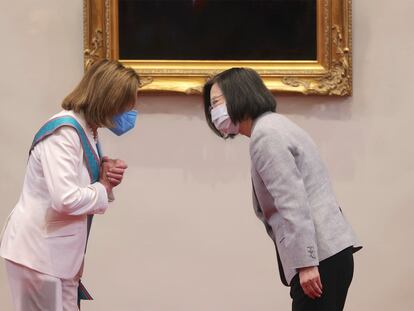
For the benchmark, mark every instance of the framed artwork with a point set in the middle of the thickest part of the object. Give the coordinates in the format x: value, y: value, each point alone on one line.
x: 300, y: 46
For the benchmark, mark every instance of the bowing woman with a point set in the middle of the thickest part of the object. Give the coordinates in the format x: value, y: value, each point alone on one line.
x: 292, y: 194
x: 67, y: 181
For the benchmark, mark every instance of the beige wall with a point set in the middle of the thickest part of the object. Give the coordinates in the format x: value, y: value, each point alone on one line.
x: 182, y: 234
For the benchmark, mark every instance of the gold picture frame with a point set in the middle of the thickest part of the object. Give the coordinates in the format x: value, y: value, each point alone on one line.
x: 329, y: 74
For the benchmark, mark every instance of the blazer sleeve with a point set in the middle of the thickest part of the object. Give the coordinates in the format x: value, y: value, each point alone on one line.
x: 60, y: 155
x: 275, y: 163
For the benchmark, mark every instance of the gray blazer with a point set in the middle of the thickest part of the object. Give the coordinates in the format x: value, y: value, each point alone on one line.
x: 293, y: 195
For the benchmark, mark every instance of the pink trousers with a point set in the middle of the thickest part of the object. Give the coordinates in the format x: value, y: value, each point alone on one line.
x: 35, y: 291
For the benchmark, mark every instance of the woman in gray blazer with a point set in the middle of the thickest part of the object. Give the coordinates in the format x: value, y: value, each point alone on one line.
x: 292, y: 193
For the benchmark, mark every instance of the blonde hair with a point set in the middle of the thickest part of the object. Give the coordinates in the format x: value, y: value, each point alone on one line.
x: 106, y: 89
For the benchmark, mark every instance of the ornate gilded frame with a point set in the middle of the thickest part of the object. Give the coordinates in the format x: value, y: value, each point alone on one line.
x: 330, y: 74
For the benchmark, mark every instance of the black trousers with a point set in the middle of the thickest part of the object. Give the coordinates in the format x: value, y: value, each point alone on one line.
x: 336, y: 274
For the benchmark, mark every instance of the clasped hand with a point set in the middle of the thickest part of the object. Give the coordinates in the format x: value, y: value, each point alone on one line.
x: 111, y: 172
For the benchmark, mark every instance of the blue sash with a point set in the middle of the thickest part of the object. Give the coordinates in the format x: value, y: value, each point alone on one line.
x: 92, y: 162
x: 91, y: 159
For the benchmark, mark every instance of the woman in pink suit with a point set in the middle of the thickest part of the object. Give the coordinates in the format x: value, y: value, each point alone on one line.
x: 66, y: 183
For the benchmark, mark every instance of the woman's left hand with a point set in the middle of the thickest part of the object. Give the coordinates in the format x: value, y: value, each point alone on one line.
x: 114, y: 171
x: 310, y: 281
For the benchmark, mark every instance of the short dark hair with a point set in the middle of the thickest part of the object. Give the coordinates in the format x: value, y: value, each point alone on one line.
x: 245, y: 93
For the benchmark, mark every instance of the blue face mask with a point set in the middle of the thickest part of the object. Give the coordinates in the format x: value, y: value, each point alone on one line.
x: 124, y: 122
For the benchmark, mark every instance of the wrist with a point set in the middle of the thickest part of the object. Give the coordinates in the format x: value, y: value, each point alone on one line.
x: 107, y: 186
x: 306, y: 268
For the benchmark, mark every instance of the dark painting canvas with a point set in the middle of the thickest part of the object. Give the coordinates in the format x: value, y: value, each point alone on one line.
x: 217, y: 30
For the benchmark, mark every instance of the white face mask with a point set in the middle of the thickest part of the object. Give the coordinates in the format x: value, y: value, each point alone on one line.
x: 222, y: 121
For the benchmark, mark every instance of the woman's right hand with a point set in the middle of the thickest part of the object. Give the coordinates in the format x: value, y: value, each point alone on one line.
x: 103, y: 177
x: 112, y: 172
